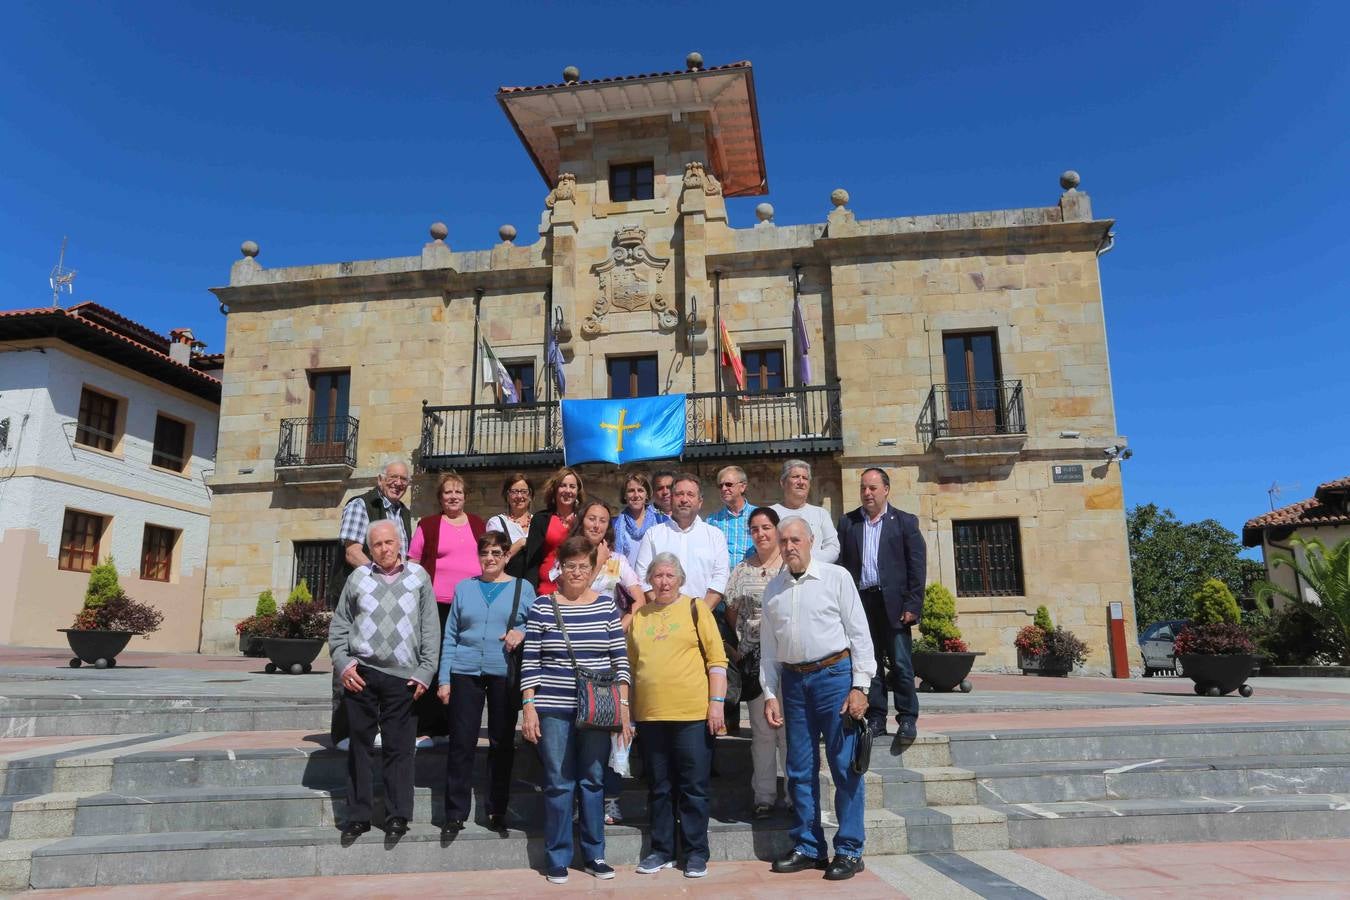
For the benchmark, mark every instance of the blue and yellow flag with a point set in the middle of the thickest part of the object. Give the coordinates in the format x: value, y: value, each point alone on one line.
x: 623, y: 431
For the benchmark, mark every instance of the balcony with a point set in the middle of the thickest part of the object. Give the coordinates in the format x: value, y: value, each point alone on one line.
x: 975, y: 423
x: 791, y: 421
x: 316, y: 451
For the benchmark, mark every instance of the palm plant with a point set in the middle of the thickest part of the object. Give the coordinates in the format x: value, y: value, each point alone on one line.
x: 1327, y: 573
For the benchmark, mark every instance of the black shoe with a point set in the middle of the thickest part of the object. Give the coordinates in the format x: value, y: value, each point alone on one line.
x: 844, y: 867
x: 877, y: 727
x: 354, y: 830
x: 397, y: 826
x: 497, y: 823
x: 798, y: 862
x: 908, y: 730
x: 452, y: 827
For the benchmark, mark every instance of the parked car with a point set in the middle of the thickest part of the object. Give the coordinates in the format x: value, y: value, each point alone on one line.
x: 1156, y: 645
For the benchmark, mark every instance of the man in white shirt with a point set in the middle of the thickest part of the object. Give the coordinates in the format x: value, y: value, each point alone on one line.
x: 701, y: 548
x: 796, y: 482
x: 816, y: 664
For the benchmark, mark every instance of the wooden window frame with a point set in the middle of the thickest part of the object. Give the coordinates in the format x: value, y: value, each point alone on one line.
x: 337, y: 436
x: 998, y: 577
x: 534, y: 383
x: 632, y: 375
x: 762, y: 373
x: 162, y: 542
x: 91, y: 436
x: 634, y: 170
x: 189, y: 433
x: 67, y: 552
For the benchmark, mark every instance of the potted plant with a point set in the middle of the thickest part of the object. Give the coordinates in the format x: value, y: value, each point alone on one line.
x: 1047, y: 649
x: 261, y: 624
x: 299, y: 632
x: 1214, y: 650
x: 108, y: 620
x: 941, y: 659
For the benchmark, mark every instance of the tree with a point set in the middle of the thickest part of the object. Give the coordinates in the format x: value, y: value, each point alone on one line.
x: 1171, y: 560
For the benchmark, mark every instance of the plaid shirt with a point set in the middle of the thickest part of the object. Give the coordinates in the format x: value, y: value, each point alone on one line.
x: 737, y: 530
x: 356, y: 524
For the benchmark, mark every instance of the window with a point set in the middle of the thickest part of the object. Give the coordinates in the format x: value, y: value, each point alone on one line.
x: 171, y: 444
x: 631, y: 376
x: 988, y: 558
x: 631, y: 181
x: 157, y: 552
x: 98, y: 420
x: 763, y: 369
x: 317, y: 563
x: 522, y: 376
x: 330, y: 394
x: 973, y: 394
x: 80, y: 536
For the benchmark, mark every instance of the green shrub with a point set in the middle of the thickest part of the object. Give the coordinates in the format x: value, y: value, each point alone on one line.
x: 1214, y: 603
x: 1042, y: 620
x: 1294, y: 636
x: 103, y: 585
x: 300, y: 594
x: 939, y: 615
x: 267, y: 604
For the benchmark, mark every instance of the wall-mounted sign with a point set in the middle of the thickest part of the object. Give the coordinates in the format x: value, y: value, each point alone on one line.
x: 1117, y: 609
x: 1068, y: 474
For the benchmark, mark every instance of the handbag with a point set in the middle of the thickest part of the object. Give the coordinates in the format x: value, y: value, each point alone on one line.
x: 597, y: 692
x: 515, y: 657
x: 862, y: 743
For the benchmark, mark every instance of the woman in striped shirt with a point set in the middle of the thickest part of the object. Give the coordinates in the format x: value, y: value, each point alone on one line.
x: 572, y: 757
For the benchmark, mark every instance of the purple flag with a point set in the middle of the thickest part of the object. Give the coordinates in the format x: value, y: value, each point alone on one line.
x: 555, y: 361
x: 803, y: 344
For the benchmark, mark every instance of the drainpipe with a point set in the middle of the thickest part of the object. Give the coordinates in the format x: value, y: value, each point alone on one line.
x: 1108, y: 243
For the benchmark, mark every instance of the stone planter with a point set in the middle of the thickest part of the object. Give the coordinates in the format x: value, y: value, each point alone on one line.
x: 251, y: 645
x: 1215, y: 676
x: 1050, y: 666
x: 97, y: 648
x: 292, y: 655
x: 944, y: 671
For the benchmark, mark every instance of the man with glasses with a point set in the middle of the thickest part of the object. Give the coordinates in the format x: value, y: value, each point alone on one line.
x: 733, y: 519
x: 384, y: 501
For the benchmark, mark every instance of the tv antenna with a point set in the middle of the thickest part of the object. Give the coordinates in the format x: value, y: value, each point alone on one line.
x: 62, y: 279
x: 1276, y: 489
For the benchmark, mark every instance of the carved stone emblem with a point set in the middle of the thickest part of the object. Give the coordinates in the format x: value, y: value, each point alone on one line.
x: 630, y: 279
x: 566, y: 190
x: 696, y: 176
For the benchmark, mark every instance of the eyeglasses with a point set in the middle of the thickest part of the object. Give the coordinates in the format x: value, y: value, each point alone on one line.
x: 395, y: 479
x: 490, y: 554
x: 576, y: 568
x: 525, y: 492
x: 729, y: 484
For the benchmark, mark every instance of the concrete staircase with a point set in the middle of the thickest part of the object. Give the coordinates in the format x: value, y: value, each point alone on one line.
x: 140, y: 801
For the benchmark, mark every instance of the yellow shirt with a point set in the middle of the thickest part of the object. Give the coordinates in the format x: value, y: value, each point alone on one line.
x: 670, y: 678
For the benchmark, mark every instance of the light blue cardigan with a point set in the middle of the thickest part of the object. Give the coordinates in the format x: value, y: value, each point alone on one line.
x: 471, y: 645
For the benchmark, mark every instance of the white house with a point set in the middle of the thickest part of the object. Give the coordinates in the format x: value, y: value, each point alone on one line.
x: 107, y: 433
x: 1324, y: 516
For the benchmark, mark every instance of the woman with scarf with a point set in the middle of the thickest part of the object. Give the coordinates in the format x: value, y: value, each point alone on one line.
x: 637, y: 516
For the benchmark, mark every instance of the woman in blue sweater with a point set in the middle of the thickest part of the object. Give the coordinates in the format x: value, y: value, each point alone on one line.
x: 486, y: 623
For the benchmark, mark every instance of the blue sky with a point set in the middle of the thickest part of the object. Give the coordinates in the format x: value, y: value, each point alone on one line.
x: 160, y: 135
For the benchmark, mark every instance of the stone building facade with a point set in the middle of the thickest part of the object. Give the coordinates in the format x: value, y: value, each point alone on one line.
x: 965, y: 353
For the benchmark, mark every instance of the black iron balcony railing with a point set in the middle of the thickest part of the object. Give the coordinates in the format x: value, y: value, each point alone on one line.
x: 972, y: 409
x: 780, y: 422
x: 317, y: 442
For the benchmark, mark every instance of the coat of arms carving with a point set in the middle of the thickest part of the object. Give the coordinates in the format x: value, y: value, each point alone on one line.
x: 631, y: 279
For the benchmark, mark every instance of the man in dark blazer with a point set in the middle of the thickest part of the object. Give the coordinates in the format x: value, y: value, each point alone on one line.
x: 884, y: 551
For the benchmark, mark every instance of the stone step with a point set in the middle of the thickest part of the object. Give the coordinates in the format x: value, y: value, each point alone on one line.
x: 1161, y: 820
x: 1127, y: 779
x: 81, y: 720
x: 971, y: 750
x: 89, y: 861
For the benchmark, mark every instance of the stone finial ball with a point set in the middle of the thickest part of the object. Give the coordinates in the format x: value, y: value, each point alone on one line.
x: 694, y: 61
x: 249, y: 248
x: 571, y: 74
x: 507, y: 233
x: 764, y: 212
x: 1069, y: 180
x: 439, y: 231
x: 839, y: 197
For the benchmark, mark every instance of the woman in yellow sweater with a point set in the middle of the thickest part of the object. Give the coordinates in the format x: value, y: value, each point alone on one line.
x: 679, y: 672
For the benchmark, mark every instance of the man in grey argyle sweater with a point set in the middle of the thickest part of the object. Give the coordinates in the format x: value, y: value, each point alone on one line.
x: 385, y: 642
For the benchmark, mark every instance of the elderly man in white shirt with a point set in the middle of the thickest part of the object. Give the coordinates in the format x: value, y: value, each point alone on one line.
x: 701, y: 548
x: 796, y: 482
x: 816, y: 664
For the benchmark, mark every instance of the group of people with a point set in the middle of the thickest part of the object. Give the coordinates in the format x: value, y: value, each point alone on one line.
x: 809, y: 619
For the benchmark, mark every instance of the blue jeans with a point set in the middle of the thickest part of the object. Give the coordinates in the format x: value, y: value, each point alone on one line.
x: 679, y: 770
x: 895, y: 662
x: 811, y: 705
x: 574, y: 762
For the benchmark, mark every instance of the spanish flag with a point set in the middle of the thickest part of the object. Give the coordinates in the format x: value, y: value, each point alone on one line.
x: 731, y: 355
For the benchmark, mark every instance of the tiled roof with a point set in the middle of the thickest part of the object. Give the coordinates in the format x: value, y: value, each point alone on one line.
x: 1327, y: 507
x: 742, y: 64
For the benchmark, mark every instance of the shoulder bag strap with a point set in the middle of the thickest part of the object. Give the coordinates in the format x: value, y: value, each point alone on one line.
x: 515, y: 607
x: 557, y: 617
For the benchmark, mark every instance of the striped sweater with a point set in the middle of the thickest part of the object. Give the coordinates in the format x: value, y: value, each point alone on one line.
x: 597, y: 640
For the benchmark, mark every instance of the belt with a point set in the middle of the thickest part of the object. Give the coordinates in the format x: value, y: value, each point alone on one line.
x: 807, y: 668
x: 874, y: 589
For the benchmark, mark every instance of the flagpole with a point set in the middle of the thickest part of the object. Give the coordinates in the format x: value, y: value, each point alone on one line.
x: 717, y: 353
x: 474, y: 374
x: 797, y: 345
x: 547, y: 368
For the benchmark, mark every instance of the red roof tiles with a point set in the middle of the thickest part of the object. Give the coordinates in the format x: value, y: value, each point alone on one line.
x: 742, y: 64
x: 1328, y: 506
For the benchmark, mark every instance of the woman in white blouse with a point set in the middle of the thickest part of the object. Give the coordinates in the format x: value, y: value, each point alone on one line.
x: 515, y: 522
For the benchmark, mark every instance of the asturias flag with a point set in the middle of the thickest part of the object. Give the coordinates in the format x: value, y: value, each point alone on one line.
x: 623, y: 431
